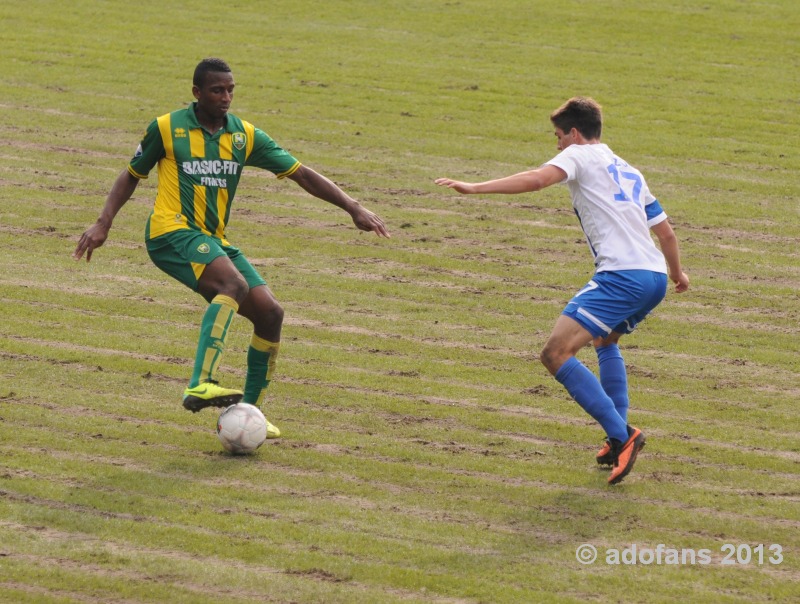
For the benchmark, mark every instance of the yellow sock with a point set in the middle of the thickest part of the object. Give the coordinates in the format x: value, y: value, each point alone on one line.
x: 211, y: 343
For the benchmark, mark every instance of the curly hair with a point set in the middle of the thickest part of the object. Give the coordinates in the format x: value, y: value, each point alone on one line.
x: 208, y: 65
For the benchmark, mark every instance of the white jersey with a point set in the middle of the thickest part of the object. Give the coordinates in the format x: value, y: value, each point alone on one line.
x: 614, y: 206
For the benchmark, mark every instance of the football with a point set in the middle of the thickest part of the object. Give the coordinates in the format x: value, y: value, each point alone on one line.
x: 241, y: 428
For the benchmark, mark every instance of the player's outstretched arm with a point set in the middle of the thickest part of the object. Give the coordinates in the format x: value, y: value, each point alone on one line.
x: 96, y: 235
x: 523, y: 182
x: 323, y: 188
x: 669, y: 247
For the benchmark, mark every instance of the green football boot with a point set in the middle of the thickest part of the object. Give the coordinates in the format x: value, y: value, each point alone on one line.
x: 210, y: 394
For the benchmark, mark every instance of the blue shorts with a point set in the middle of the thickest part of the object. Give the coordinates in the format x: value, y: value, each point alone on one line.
x: 616, y: 301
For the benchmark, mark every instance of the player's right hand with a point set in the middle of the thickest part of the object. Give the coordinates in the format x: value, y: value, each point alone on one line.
x: 681, y: 282
x: 92, y: 238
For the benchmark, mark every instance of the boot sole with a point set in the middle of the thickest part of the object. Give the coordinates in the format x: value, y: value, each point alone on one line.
x: 195, y: 404
x: 608, y: 458
x: 617, y: 479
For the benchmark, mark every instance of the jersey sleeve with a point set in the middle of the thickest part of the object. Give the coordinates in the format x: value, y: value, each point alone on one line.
x: 655, y: 213
x: 149, y: 151
x: 266, y: 154
x: 567, y: 161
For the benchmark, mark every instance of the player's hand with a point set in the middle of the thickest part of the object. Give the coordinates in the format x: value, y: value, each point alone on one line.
x: 92, y: 238
x: 466, y: 188
x: 681, y: 282
x: 369, y: 221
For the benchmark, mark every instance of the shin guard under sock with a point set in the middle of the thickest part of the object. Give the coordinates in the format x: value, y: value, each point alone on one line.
x: 614, y: 377
x: 211, y: 343
x: 584, y: 387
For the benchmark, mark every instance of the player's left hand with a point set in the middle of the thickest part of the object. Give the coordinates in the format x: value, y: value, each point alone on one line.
x: 466, y: 188
x: 369, y: 221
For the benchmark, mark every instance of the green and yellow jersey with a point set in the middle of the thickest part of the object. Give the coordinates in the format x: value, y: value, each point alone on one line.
x: 198, y: 172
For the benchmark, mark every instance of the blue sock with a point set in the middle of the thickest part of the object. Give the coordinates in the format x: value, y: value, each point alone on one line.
x: 614, y: 378
x: 584, y: 387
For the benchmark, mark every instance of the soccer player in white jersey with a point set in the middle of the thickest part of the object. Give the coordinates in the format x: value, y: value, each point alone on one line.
x: 617, y: 212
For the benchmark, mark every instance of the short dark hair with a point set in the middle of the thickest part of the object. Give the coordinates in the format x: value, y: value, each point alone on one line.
x: 207, y: 65
x: 582, y: 113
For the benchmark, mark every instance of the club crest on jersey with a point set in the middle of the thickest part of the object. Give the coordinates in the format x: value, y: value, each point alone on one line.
x: 203, y: 248
x: 239, y: 140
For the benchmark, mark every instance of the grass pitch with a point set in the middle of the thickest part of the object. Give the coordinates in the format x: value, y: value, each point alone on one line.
x: 427, y: 456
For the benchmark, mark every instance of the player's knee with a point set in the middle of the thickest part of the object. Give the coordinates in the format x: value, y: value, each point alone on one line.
x: 268, y: 321
x: 239, y: 288
x: 275, y: 314
x: 553, y: 357
x: 234, y: 286
x: 547, y: 357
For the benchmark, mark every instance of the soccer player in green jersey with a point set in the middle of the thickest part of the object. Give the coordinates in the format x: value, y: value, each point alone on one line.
x: 200, y: 153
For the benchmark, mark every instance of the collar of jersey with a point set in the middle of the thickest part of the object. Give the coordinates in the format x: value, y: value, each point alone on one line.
x: 192, y: 122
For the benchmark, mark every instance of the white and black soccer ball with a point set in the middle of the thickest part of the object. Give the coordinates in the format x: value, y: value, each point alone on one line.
x: 241, y: 428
